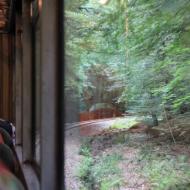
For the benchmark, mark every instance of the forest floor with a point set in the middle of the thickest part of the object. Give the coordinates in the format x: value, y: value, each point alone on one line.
x: 112, y: 158
x: 72, y: 158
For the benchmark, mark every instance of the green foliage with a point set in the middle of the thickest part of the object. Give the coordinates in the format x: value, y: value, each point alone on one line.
x: 85, y: 148
x: 84, y: 172
x: 94, y: 36
x: 102, y: 172
x: 85, y: 151
x: 124, y: 122
x: 106, y: 167
x: 158, y: 49
x: 107, y: 184
x: 132, y: 53
x: 165, y: 172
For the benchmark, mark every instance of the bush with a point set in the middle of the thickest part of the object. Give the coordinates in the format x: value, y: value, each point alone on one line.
x: 84, y: 171
x: 166, y: 172
x: 102, y: 173
x: 85, y: 148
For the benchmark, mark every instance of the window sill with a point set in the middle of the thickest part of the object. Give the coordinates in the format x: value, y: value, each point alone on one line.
x: 29, y: 173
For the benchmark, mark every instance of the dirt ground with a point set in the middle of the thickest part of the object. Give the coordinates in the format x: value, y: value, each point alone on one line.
x: 73, y: 139
x: 107, y: 143
x: 72, y: 158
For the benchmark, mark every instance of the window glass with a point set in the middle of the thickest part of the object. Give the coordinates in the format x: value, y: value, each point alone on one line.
x: 127, y: 67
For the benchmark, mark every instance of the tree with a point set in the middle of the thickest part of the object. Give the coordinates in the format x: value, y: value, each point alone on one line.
x: 141, y: 48
x: 157, y: 55
x: 93, y: 42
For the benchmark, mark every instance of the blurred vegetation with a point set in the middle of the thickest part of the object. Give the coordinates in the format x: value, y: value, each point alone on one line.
x: 100, y: 172
x: 132, y: 54
x: 125, y: 123
x: 165, y: 172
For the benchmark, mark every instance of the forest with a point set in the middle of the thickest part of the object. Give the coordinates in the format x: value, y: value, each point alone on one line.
x: 135, y: 56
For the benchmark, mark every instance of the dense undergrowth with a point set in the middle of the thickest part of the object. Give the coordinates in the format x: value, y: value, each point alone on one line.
x: 165, y: 171
x: 165, y: 165
x: 100, y: 172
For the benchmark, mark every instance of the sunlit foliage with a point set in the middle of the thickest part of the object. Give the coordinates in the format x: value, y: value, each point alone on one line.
x: 141, y: 47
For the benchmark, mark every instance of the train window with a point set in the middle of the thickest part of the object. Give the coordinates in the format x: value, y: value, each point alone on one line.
x: 127, y: 98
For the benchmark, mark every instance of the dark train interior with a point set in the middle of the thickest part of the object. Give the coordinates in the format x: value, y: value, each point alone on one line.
x: 31, y: 75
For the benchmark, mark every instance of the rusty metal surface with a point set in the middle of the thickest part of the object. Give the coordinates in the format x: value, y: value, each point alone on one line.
x: 6, y: 7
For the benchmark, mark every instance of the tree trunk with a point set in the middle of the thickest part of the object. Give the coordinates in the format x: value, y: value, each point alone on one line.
x: 155, y: 119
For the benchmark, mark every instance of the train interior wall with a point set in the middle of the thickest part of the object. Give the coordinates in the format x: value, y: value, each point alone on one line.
x: 7, y: 101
